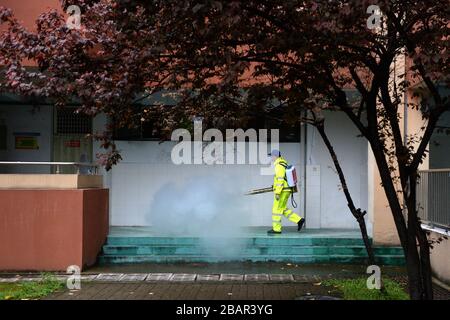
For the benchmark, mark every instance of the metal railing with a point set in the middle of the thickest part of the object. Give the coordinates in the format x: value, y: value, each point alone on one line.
x: 433, y: 197
x: 92, y: 167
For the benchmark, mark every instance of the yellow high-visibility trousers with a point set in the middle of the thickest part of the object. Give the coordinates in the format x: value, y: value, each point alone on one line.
x: 279, y: 209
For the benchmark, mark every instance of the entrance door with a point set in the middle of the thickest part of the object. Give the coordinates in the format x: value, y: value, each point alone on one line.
x: 70, y: 143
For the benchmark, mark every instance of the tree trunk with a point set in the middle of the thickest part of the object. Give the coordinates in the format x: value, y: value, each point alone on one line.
x: 425, y: 265
x: 357, y: 213
x: 363, y: 228
x: 421, y: 285
x: 418, y: 265
x: 411, y: 234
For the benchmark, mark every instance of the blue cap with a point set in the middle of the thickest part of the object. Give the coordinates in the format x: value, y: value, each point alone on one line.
x: 275, y: 153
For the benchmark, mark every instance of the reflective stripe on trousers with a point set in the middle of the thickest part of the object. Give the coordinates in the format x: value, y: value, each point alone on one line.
x: 279, y: 208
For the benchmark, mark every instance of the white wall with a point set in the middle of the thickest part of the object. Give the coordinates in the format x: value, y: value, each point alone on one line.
x: 21, y: 118
x: 352, y: 155
x: 440, y: 259
x: 146, y: 168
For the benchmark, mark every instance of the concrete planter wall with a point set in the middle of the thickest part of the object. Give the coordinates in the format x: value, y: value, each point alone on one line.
x: 50, y: 229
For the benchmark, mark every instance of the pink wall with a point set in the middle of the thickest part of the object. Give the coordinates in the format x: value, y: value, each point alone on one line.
x: 49, y: 230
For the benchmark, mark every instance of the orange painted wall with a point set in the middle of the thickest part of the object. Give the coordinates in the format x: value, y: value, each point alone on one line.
x: 27, y: 11
x: 48, y: 230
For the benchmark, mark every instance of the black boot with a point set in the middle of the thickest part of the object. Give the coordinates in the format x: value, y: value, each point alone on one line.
x: 300, y: 224
x: 271, y: 231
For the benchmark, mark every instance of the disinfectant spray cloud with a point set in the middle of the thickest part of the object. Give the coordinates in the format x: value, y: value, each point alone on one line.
x: 209, y: 208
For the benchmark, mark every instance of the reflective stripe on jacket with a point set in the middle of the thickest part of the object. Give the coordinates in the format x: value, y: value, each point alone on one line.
x: 279, y: 181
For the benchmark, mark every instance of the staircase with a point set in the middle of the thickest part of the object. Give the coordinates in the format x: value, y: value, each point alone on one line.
x: 128, y: 245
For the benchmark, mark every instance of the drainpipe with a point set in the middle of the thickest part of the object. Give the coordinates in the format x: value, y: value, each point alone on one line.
x: 305, y: 156
x: 405, y: 120
x: 405, y: 110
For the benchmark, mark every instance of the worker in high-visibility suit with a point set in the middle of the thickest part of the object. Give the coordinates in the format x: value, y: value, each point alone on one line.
x: 282, y: 192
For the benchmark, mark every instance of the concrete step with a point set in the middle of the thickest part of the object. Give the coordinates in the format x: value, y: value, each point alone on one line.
x: 268, y: 240
x: 145, y: 245
x: 345, y: 259
x: 245, y: 250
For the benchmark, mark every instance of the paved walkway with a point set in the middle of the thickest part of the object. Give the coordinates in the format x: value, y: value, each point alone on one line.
x: 260, y: 282
x: 192, y: 291
x: 183, y: 288
x: 180, y: 277
x: 170, y: 277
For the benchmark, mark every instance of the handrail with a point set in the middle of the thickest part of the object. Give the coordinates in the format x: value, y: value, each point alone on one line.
x: 435, y: 170
x: 57, y: 164
x: 438, y: 229
x: 432, y: 198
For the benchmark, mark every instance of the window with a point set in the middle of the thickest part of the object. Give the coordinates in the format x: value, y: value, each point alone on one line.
x: 287, y: 132
x: 70, y: 122
x: 3, y: 135
x: 143, y: 130
x: 148, y: 130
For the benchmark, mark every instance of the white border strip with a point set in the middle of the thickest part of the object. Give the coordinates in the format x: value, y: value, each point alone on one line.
x: 442, y: 231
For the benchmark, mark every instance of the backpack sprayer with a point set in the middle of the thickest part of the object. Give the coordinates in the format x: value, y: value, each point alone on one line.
x: 291, y: 179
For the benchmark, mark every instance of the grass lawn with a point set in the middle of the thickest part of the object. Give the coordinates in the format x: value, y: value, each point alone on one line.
x: 29, y: 289
x: 356, y: 289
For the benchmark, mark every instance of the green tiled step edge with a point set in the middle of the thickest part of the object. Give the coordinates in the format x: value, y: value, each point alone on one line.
x: 249, y: 250
x: 122, y: 249
x: 348, y: 259
x: 274, y: 240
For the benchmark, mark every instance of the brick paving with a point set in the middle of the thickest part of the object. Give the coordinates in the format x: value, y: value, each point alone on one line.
x: 185, y: 286
x: 187, y: 291
x: 166, y: 290
x: 440, y: 293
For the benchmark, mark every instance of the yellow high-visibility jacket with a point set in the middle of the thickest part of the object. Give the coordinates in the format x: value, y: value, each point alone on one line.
x: 279, y: 181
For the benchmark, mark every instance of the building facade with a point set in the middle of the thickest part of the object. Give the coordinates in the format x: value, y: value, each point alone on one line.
x: 147, y: 185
